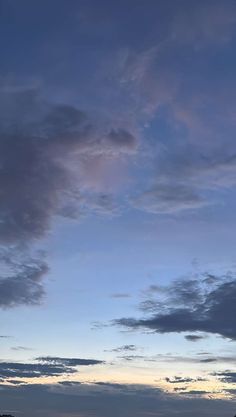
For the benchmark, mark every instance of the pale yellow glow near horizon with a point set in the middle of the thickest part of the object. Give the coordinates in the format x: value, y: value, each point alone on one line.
x: 213, y: 387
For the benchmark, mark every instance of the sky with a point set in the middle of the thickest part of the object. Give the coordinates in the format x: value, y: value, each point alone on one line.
x: 117, y: 208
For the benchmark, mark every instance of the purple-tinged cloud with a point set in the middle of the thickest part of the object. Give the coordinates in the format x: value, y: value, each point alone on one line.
x: 42, y: 149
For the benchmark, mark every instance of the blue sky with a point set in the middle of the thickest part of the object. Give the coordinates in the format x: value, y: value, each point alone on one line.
x: 117, y: 207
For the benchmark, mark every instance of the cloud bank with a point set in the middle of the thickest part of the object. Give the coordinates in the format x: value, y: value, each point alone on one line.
x: 104, y: 399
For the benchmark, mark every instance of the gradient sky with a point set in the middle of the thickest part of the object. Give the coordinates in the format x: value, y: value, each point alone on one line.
x: 117, y: 208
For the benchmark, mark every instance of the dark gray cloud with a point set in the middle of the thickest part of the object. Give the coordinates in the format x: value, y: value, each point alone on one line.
x: 194, y: 337
x: 208, y: 360
x: 69, y: 383
x: 181, y: 380
x: 23, y: 285
x: 115, y: 385
x: 44, y: 367
x: 68, y: 361
x: 191, y: 306
x: 104, y: 399
x: 16, y: 382
x: 131, y: 357
x: 179, y: 389
x: 121, y: 139
x: 227, y: 376
x: 195, y: 392
x: 32, y: 370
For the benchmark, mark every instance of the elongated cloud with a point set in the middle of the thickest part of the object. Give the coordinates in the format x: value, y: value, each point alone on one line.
x: 169, y: 198
x: 44, y: 367
x: 68, y: 361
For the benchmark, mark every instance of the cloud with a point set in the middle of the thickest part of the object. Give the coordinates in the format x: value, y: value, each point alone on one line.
x: 121, y: 140
x: 104, y: 399
x: 15, y: 382
x: 181, y: 380
x: 231, y: 391
x: 44, y: 367
x: 187, y: 176
x: 69, y: 383
x: 169, y: 358
x: 180, y: 389
x: 124, y: 348
x: 196, y: 392
x: 53, y: 156
x: 24, y: 283
x: 190, y: 161
x: 194, y: 337
x: 68, y: 361
x: 32, y: 370
x: 37, y: 143
x: 21, y: 348
x: 169, y: 198
x: 131, y: 357
x: 227, y: 376
x: 198, y: 359
x: 43, y: 147
x: 191, y: 305
x: 165, y: 84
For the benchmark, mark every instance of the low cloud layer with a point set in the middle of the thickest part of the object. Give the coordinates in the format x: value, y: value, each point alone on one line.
x: 205, y: 304
x: 106, y: 399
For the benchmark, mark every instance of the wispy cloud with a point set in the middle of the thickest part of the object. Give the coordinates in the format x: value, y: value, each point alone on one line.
x: 124, y: 348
